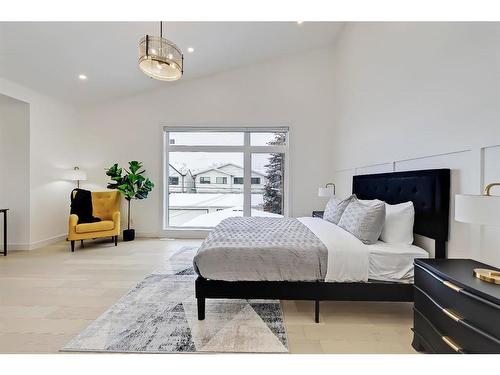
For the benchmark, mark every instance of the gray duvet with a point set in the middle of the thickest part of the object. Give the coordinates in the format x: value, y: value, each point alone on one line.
x: 260, y: 249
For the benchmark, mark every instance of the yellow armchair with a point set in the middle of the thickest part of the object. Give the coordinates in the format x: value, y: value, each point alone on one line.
x: 106, y: 206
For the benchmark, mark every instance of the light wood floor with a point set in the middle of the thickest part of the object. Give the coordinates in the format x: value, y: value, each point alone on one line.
x: 49, y: 295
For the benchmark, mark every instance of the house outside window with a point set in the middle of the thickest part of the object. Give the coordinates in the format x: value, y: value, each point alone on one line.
x: 223, y: 172
x: 221, y: 180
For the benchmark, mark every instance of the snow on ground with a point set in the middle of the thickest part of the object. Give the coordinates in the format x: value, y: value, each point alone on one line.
x: 214, y: 218
x: 210, y: 200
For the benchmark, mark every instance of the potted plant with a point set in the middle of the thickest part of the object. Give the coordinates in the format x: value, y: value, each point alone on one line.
x: 133, y: 185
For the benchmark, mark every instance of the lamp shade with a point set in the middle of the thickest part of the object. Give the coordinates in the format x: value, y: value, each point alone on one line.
x: 477, y: 209
x: 326, y: 191
x: 77, y: 175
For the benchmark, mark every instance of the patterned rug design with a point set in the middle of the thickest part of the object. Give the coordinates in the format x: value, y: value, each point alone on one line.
x: 160, y: 316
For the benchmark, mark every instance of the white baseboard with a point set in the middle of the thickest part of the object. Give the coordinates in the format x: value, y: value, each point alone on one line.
x: 36, y: 244
x: 48, y: 241
x: 17, y: 246
x: 149, y: 234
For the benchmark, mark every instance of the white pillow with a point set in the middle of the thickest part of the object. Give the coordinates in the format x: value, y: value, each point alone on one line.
x: 398, y: 227
x: 370, y: 202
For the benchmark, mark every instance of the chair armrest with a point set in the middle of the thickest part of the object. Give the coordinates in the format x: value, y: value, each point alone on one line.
x: 116, y: 220
x: 73, y: 221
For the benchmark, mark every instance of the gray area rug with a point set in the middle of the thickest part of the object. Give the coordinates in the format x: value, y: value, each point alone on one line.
x: 160, y: 316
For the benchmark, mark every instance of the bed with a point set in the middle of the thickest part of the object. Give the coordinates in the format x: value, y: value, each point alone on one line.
x: 296, y: 267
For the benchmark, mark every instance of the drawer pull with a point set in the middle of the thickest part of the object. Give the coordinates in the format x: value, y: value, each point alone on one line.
x: 452, y: 315
x: 451, y: 344
x: 452, y: 286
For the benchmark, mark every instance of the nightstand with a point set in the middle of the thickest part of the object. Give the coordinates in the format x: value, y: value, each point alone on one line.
x: 454, y: 312
x: 318, y: 214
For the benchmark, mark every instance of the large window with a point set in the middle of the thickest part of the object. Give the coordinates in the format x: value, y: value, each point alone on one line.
x: 204, y: 180
x: 221, y: 180
x: 213, y: 174
x: 255, y: 180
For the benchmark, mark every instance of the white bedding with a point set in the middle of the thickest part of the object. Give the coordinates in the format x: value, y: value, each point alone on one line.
x: 348, y: 257
x: 349, y: 260
x: 393, y: 262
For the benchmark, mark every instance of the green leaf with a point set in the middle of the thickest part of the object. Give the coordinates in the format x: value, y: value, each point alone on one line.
x: 133, y: 184
x: 114, y: 171
x: 132, y: 178
x: 134, y: 166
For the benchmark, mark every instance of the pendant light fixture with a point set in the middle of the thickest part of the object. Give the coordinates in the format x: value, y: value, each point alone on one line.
x: 159, y: 58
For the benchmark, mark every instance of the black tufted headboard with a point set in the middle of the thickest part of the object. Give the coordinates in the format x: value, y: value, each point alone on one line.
x: 429, y: 190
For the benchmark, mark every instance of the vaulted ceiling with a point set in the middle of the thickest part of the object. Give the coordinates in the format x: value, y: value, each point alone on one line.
x: 49, y: 56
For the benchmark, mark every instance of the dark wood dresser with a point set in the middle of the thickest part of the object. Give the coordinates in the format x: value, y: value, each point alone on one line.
x: 454, y: 311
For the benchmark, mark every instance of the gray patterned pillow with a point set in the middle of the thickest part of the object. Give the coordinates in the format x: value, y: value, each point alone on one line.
x: 335, y: 208
x: 364, y: 220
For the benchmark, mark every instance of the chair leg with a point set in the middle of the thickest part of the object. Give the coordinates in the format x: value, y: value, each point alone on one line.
x: 81, y: 243
x: 116, y: 240
x: 72, y: 246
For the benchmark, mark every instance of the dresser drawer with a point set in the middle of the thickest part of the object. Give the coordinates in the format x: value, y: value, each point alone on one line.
x: 428, y: 336
x: 464, y: 334
x: 477, y: 311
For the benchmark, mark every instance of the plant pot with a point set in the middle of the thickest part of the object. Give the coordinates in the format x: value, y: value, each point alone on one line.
x: 128, y: 234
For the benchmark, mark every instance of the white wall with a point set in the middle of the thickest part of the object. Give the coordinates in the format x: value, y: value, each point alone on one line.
x: 416, y: 96
x: 53, y: 150
x: 14, y: 169
x: 294, y: 92
x: 388, y: 96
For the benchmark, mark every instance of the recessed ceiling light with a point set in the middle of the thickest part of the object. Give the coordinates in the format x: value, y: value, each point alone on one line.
x: 82, y: 77
x: 190, y: 49
x: 300, y: 22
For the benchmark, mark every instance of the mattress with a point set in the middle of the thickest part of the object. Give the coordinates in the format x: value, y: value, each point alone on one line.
x: 304, y: 249
x: 393, y: 262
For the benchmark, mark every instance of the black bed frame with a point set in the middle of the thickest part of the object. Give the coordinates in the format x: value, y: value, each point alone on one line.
x: 429, y: 190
